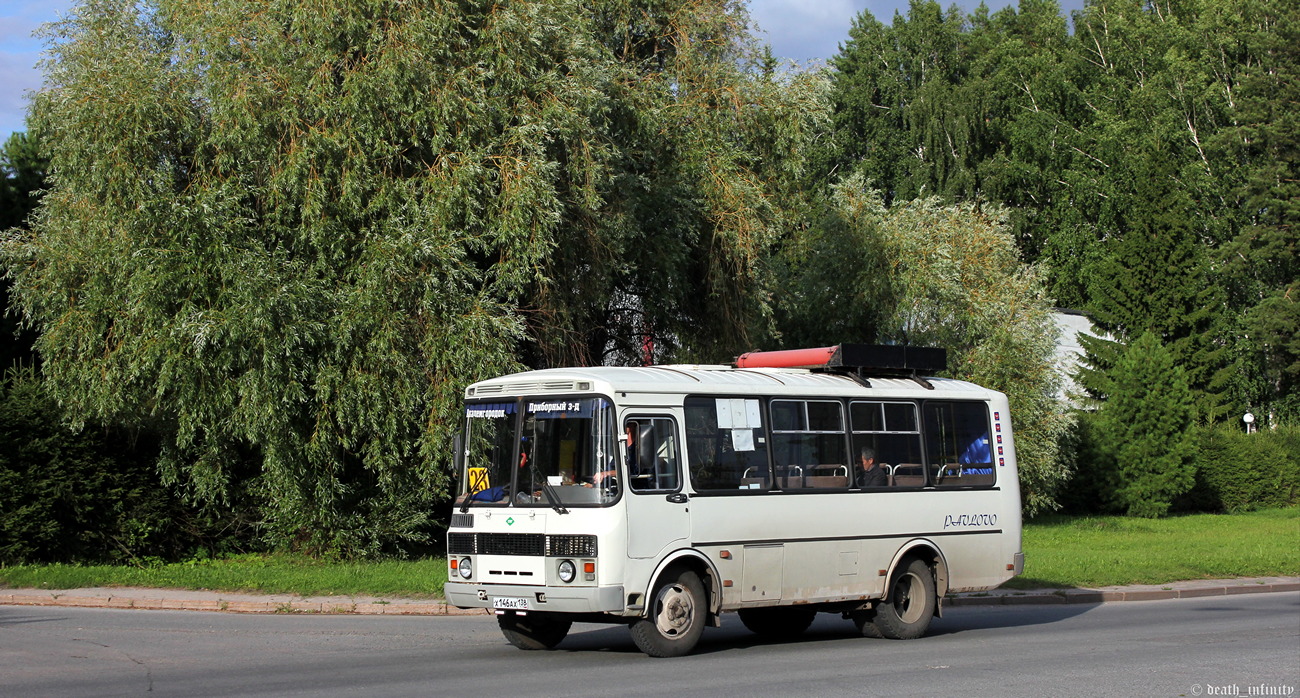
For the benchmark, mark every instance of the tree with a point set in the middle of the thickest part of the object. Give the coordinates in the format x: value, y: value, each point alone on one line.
x: 1155, y: 278
x: 22, y: 176
x: 1147, y: 423
x: 1261, y: 265
x: 927, y: 274
x: 287, y: 237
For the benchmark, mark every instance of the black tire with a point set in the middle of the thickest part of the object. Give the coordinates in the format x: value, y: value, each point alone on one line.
x: 676, y: 615
x: 779, y: 622
x: 865, y: 621
x: 906, y: 613
x: 534, y: 631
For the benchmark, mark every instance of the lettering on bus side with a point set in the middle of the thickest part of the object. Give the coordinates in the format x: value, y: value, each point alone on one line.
x: 969, y: 520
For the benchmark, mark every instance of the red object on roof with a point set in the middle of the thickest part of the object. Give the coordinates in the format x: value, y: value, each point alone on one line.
x: 861, y: 359
x: 790, y: 358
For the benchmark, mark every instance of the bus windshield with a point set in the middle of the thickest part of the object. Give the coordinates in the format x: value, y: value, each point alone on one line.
x: 516, y: 450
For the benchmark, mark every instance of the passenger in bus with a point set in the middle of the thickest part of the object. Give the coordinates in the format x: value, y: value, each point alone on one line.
x: 870, y: 473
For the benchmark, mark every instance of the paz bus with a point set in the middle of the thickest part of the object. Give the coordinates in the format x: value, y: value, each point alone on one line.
x: 662, y: 497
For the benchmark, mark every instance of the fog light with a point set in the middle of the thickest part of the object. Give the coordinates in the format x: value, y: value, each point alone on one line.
x: 568, y: 571
x: 466, y: 568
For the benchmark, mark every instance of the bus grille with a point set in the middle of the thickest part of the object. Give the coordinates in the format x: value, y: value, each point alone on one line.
x: 462, y: 521
x: 532, y: 544
x: 461, y: 544
x: 571, y: 546
x: 512, y: 544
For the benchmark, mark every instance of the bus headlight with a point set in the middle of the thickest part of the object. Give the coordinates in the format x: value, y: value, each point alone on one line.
x: 466, y: 568
x: 568, y: 571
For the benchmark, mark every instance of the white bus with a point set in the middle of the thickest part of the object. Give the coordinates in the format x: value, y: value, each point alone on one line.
x: 662, y: 497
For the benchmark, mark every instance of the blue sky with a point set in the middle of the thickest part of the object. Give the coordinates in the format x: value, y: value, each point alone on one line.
x: 802, y: 30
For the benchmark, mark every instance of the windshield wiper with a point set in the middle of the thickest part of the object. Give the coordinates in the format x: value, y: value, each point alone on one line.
x: 552, y: 497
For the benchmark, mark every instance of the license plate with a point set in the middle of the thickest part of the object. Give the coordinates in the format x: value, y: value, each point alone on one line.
x: 511, y: 603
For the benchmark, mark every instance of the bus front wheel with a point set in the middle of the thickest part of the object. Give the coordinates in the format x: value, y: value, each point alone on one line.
x: 535, y: 631
x: 907, y: 613
x: 676, y: 617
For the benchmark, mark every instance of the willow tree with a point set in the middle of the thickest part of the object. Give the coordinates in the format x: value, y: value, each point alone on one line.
x: 286, y: 235
x: 924, y: 273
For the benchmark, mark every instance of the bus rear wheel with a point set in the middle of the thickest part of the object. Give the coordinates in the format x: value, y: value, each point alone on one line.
x: 865, y: 620
x: 676, y: 617
x: 535, y: 631
x: 784, y: 621
x: 907, y: 613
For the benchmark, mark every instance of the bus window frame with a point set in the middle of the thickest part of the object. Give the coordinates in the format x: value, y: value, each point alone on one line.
x: 520, y: 417
x: 925, y: 446
x: 765, y: 438
x: 917, y: 419
x: 681, y: 466
x: 844, y: 434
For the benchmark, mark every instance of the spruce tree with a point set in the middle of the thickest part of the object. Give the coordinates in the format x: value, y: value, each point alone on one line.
x: 1146, y: 424
x: 1155, y: 278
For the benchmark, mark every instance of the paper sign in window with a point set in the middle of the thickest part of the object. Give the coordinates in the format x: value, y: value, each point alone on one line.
x: 742, y: 439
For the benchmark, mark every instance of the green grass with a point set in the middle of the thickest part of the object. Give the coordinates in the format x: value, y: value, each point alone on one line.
x: 269, y: 574
x: 1097, y: 551
x: 1060, y: 552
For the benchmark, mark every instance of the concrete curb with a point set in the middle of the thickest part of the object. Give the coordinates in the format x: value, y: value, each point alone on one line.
x: 180, y: 600
x: 176, y: 600
x: 1175, y: 590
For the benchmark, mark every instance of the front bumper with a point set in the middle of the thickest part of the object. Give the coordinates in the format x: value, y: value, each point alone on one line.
x: 606, y: 599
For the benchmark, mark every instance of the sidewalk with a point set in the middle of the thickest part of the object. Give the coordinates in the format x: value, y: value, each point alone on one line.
x: 185, y: 600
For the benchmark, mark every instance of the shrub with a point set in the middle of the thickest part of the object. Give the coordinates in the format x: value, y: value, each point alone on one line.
x: 1089, y: 488
x: 91, y: 496
x: 1238, y: 472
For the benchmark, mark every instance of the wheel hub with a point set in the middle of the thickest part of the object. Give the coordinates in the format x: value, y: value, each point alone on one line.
x: 676, y: 609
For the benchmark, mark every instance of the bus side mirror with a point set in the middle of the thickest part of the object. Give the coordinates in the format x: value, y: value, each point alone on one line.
x: 458, y: 455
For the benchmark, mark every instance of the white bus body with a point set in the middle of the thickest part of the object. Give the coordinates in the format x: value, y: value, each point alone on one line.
x: 737, y: 490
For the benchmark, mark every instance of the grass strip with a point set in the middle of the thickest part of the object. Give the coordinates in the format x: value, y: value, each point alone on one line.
x: 266, y: 574
x: 1060, y: 552
x: 1094, y: 551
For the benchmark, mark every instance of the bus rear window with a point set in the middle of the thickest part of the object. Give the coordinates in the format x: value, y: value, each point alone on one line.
x: 957, y: 444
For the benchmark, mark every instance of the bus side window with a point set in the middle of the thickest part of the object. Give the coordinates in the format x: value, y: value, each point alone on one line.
x: 890, y: 430
x: 808, y: 444
x: 652, y: 458
x: 727, y: 444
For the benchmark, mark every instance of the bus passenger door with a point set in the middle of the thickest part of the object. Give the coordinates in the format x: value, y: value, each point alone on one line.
x: 658, y: 514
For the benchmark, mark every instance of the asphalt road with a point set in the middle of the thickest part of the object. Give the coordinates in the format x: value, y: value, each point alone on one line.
x: 1184, y: 647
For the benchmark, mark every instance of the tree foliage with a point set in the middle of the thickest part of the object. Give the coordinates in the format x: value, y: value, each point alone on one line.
x: 287, y: 236
x: 1147, y: 423
x: 22, y: 177
x: 1157, y: 279
x: 924, y: 273
x: 92, y: 496
x: 1068, y: 129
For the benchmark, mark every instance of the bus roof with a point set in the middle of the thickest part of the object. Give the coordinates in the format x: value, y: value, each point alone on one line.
x: 713, y: 380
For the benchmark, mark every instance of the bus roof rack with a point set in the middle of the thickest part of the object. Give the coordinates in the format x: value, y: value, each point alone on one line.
x: 859, y: 360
